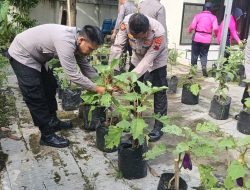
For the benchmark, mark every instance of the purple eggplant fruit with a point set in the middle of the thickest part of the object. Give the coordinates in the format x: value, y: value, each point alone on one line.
x: 186, y: 162
x: 239, y: 181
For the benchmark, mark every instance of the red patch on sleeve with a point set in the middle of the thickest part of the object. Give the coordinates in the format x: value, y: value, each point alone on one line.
x: 157, y: 43
x: 123, y: 26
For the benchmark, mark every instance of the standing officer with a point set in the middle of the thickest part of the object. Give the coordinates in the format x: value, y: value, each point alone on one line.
x: 28, y: 54
x: 154, y: 9
x: 147, y: 38
x: 204, y: 24
x: 127, y: 7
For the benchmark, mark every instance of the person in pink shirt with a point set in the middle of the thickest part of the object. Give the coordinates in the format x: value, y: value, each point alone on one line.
x: 204, y: 23
x: 232, y: 29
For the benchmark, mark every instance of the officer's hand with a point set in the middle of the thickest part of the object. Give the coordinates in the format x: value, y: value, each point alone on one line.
x: 100, y: 89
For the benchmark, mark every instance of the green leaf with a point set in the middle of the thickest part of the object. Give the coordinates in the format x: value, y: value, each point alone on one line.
x: 172, y: 129
x: 207, y: 178
x: 130, y: 96
x: 229, y: 183
x: 113, y: 138
x: 144, y: 88
x: 181, y: 147
x: 244, y: 141
x: 141, y: 108
x: 226, y: 143
x: 236, y: 170
x: 106, y: 100
x: 195, y: 89
x: 114, y: 63
x: 203, y: 150
x: 155, y: 151
x: 230, y: 75
x: 247, y: 102
x: 248, y: 183
x: 124, y: 124
x: 137, y: 129
x: 206, y: 127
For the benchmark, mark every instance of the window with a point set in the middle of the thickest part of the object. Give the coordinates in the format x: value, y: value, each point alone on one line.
x: 189, y: 10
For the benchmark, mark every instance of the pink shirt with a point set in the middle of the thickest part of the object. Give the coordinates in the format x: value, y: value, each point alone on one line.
x: 204, y: 23
x: 232, y: 28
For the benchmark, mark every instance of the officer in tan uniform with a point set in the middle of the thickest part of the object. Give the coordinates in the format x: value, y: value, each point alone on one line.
x: 126, y: 7
x: 147, y: 38
x: 154, y: 9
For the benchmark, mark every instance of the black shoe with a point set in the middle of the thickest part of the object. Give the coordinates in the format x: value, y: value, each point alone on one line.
x: 58, y: 125
x: 54, y: 141
x: 155, y: 135
x: 237, y: 116
x: 204, y: 72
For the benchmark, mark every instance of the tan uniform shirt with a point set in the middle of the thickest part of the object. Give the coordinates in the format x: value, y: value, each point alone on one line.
x: 148, y: 54
x: 40, y: 44
x: 126, y: 9
x: 247, y: 59
x: 154, y: 9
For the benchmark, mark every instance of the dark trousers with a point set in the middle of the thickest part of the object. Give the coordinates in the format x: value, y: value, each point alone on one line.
x: 199, y: 49
x: 159, y: 78
x: 245, y: 95
x: 38, y: 90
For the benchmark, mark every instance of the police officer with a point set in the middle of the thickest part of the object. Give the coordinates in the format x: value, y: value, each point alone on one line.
x: 154, y: 9
x: 28, y: 54
x: 246, y: 93
x: 204, y: 23
x: 147, y: 38
x: 126, y: 7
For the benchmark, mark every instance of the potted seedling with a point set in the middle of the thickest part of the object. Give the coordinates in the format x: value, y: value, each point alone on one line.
x: 130, y: 152
x: 95, y: 107
x: 191, y: 88
x: 172, y: 80
x: 69, y: 92
x: 227, y: 70
x: 243, y: 124
x: 193, y: 144
x: 237, y: 57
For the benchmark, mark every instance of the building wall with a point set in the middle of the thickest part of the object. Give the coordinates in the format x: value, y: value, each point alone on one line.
x: 86, y: 13
x: 174, y: 11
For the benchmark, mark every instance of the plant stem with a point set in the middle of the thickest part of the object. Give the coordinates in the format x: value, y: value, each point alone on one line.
x: 177, y: 173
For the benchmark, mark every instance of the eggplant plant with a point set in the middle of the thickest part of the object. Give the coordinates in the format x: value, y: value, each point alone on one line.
x: 191, y: 88
x: 226, y: 71
x: 172, y: 60
x: 131, y: 106
x: 193, y: 144
x: 133, y: 119
x: 237, y: 176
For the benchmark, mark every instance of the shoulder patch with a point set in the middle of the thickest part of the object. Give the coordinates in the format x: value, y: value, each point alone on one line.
x: 157, y: 43
x: 123, y: 26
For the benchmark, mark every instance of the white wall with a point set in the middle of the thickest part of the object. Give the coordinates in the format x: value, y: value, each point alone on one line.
x: 47, y: 12
x: 174, y: 9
